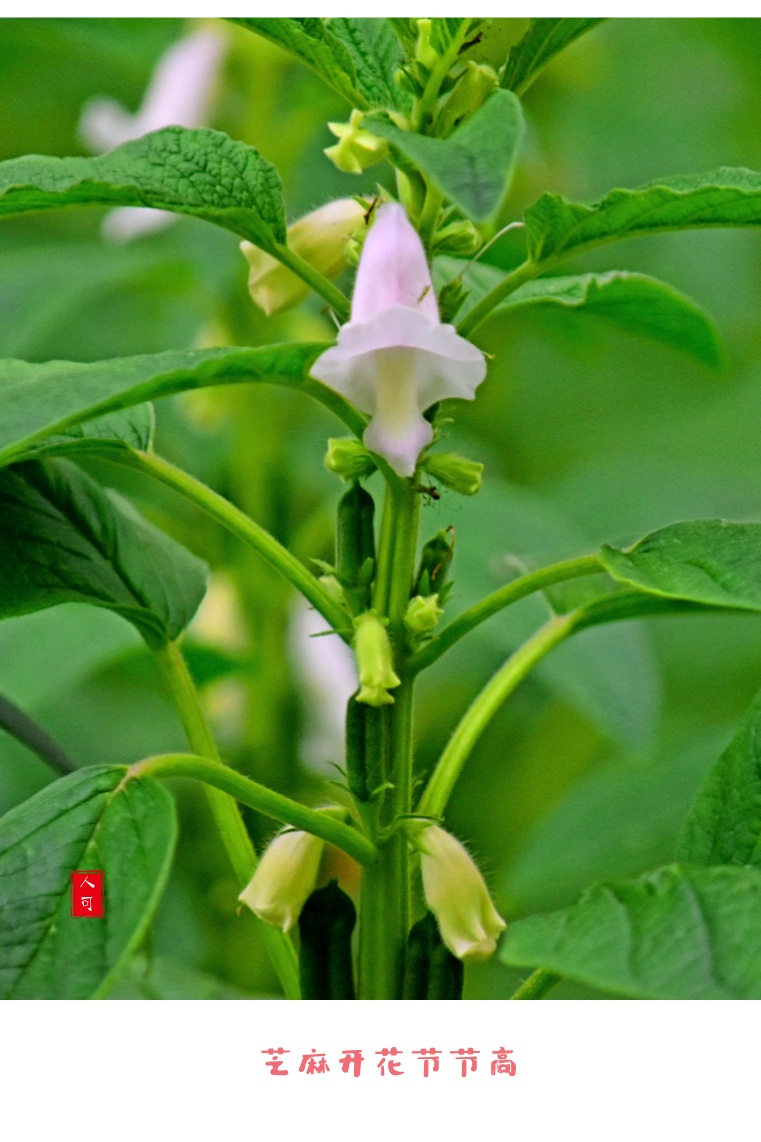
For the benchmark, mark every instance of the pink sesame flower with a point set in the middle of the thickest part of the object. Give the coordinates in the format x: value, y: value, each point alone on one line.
x: 395, y: 358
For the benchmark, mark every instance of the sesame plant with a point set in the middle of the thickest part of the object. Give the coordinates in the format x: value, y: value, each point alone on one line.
x: 435, y: 106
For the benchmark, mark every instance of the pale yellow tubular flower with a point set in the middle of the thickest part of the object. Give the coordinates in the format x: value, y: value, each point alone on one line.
x: 457, y: 895
x: 320, y: 238
x: 284, y: 878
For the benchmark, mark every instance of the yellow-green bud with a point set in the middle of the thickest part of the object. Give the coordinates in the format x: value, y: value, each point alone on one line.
x: 424, y: 49
x: 423, y: 614
x: 320, y: 238
x: 356, y: 150
x: 456, y: 472
x: 475, y: 85
x: 284, y: 878
x: 458, y: 238
x: 349, y: 459
x: 458, y: 897
x: 333, y: 587
x: 375, y: 663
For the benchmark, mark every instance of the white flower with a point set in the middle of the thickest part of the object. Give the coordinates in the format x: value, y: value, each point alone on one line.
x: 284, y: 878
x: 326, y: 680
x: 179, y: 94
x: 394, y: 358
x: 457, y: 895
x: 320, y: 238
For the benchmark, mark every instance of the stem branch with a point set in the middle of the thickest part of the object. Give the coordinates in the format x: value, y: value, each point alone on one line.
x: 482, y: 710
x: 236, y: 840
x: 504, y: 597
x: 252, y: 533
x: 537, y: 985
x: 261, y: 798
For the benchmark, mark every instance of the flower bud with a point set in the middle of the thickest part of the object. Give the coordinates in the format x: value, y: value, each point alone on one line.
x: 457, y: 895
x: 424, y: 49
x: 320, y: 238
x: 435, y: 561
x: 284, y: 878
x: 474, y: 86
x: 356, y: 150
x: 349, y: 459
x: 459, y: 238
x: 456, y: 472
x: 374, y: 661
x: 423, y: 614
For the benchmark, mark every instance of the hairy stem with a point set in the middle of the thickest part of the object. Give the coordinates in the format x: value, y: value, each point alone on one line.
x: 537, y: 985
x: 482, y: 710
x: 504, y: 597
x: 508, y: 285
x: 240, y: 525
x: 384, y: 902
x: 337, y: 300
x: 236, y: 840
x: 261, y: 798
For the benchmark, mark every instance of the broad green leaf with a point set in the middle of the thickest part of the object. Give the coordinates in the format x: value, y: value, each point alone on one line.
x: 472, y: 167
x: 131, y: 428
x: 311, y: 41
x: 710, y: 561
x: 156, y: 977
x: 541, y: 43
x: 631, y: 301
x: 729, y: 196
x: 39, y: 401
x: 724, y: 825
x: 201, y: 172
x: 404, y: 31
x: 620, y: 606
x: 65, y: 539
x: 616, y: 821
x: 688, y: 933
x: 90, y: 820
x: 376, y: 55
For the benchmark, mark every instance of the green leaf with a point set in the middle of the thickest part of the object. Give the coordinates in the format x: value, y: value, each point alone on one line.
x: 724, y: 825
x: 729, y: 196
x: 674, y: 934
x: 709, y: 561
x: 65, y: 539
x: 472, y: 167
x: 40, y: 401
x: 160, y: 978
x: 311, y: 41
x: 201, y: 172
x: 376, y: 55
x: 541, y: 43
x: 631, y: 301
x: 616, y: 821
x: 132, y: 428
x: 90, y: 820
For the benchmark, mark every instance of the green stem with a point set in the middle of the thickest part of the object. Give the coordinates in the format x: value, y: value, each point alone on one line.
x: 240, y: 525
x: 482, y: 710
x: 537, y: 985
x: 429, y: 214
x: 261, y: 798
x: 384, y: 902
x: 438, y: 75
x: 337, y: 300
x: 504, y: 597
x: 226, y: 814
x: 508, y: 285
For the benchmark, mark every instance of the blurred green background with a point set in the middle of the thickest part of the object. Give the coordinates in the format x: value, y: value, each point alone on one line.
x: 588, y: 434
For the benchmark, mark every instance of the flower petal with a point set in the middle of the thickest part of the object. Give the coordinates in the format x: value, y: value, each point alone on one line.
x: 393, y: 269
